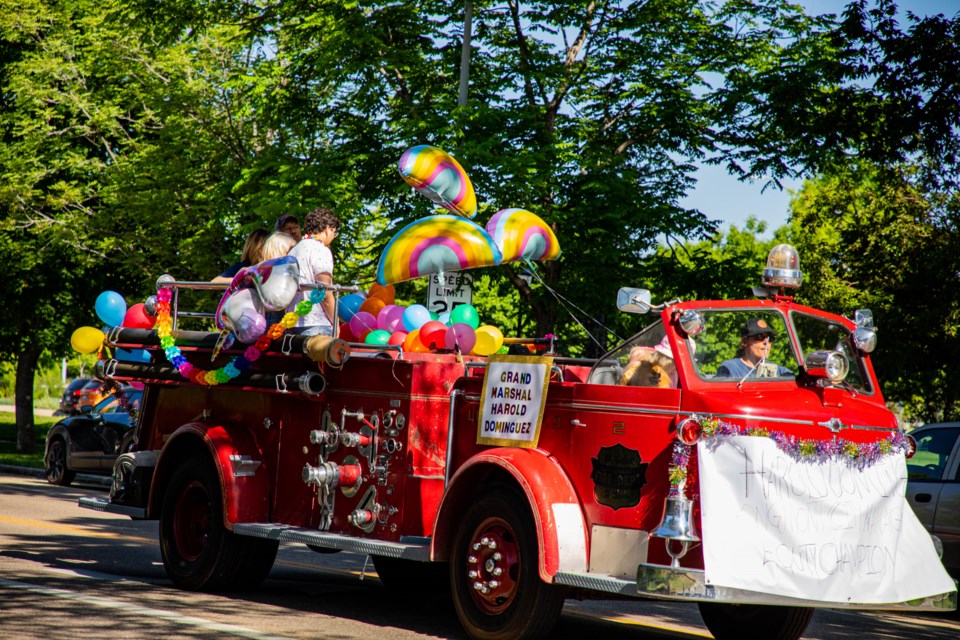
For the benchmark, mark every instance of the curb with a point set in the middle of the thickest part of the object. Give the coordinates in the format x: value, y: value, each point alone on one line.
x: 84, y: 478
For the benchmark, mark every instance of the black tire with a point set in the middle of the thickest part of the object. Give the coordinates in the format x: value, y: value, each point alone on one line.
x: 199, y: 553
x: 55, y: 466
x: 738, y: 621
x: 517, y: 604
x: 258, y: 558
x: 431, y: 578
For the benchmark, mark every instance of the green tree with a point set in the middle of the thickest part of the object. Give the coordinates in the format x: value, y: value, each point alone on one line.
x: 869, y: 238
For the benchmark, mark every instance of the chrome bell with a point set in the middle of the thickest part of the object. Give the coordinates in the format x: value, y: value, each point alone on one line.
x: 677, y: 525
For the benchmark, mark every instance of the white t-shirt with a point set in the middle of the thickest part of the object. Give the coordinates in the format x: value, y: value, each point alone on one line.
x: 313, y: 257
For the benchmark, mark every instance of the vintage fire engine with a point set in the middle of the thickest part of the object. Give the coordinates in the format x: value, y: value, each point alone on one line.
x: 759, y: 496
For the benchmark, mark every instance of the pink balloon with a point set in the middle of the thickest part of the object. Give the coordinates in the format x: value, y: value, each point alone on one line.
x: 397, y: 337
x: 394, y: 321
x: 362, y: 323
x: 461, y: 336
x: 383, y: 316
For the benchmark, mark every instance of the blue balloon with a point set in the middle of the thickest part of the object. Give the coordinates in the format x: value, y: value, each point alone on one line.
x: 415, y: 316
x: 444, y: 318
x: 132, y: 355
x: 111, y: 308
x: 349, y: 305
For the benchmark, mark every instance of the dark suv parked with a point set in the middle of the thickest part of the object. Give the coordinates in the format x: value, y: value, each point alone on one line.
x: 71, y: 395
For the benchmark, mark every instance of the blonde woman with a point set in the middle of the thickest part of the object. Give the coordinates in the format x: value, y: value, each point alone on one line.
x: 277, y: 245
x: 251, y: 254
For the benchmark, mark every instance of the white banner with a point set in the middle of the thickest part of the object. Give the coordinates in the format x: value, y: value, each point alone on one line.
x: 514, y: 392
x: 823, y: 531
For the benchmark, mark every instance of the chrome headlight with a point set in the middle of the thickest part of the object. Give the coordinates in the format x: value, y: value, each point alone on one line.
x: 831, y: 365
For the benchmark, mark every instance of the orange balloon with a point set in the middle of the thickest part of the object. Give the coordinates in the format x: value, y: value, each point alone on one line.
x: 412, y: 343
x: 373, y: 306
x: 385, y: 293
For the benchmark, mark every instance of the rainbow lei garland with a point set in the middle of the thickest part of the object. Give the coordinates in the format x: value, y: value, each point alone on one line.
x: 239, y: 363
x: 853, y: 453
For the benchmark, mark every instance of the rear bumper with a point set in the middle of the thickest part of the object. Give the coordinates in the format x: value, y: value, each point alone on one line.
x: 660, y: 582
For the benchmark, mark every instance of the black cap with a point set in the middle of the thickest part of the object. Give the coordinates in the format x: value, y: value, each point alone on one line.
x: 756, y: 327
x: 284, y: 219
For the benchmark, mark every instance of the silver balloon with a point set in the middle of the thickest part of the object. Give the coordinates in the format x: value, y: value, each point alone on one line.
x: 150, y: 306
x: 277, y: 281
x: 242, y: 314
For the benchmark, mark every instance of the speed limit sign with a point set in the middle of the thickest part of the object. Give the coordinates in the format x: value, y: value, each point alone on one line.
x: 447, y: 290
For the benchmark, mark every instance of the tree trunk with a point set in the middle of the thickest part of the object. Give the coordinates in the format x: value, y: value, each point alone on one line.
x: 26, y: 371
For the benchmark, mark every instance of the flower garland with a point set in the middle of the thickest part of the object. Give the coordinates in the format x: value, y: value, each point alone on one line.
x: 861, y: 455
x: 239, y: 363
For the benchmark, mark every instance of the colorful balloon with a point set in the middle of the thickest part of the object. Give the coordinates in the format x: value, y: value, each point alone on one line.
x: 397, y: 337
x: 432, y: 334
x: 412, y: 343
x: 437, y: 176
x: 137, y: 318
x: 415, y: 316
x: 349, y: 305
x: 465, y: 313
x: 522, y: 235
x: 385, y: 293
x: 394, y: 318
x: 111, y: 308
x: 345, y: 334
x: 489, y: 340
x: 86, y: 339
x: 373, y: 306
x: 362, y: 323
x: 460, y: 336
x: 377, y: 336
x: 433, y: 245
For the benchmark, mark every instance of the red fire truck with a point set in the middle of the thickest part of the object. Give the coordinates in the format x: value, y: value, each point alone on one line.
x: 534, y: 477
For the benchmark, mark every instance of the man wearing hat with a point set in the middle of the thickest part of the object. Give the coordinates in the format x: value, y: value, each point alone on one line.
x: 289, y: 225
x: 755, y: 338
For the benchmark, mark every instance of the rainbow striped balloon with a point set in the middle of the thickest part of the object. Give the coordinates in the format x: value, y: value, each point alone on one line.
x: 436, y: 244
x: 522, y: 235
x: 436, y: 175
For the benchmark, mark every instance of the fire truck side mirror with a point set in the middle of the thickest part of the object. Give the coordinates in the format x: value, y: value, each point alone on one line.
x: 630, y: 300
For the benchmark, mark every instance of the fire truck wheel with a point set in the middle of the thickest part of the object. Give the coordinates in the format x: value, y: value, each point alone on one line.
x: 56, y: 464
x: 198, y: 551
x: 494, y: 574
x: 734, y: 621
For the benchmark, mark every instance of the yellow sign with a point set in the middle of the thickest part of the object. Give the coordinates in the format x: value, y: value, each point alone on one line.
x: 514, y: 394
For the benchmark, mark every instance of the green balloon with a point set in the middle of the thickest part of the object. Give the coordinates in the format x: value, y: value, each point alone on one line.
x: 465, y: 313
x: 377, y: 336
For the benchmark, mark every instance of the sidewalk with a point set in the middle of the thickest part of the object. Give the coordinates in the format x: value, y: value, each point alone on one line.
x: 9, y: 408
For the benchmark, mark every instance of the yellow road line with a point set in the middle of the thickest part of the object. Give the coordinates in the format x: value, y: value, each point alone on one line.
x: 63, y: 528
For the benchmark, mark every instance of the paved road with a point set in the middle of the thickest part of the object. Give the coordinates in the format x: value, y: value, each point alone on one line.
x: 66, y: 572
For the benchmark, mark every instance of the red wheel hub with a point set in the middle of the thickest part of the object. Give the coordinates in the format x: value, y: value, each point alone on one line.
x: 493, y: 565
x: 191, y: 521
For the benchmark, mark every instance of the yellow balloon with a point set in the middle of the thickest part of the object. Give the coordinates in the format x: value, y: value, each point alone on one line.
x: 86, y: 339
x: 489, y: 340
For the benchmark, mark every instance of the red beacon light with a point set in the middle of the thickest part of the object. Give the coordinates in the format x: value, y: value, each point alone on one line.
x: 911, y: 447
x: 689, y: 431
x: 783, y: 268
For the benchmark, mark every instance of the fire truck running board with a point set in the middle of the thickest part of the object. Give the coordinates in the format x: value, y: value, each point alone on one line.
x: 103, y: 504
x: 413, y: 549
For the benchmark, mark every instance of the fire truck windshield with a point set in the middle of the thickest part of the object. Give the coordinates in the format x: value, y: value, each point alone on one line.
x: 743, y: 343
